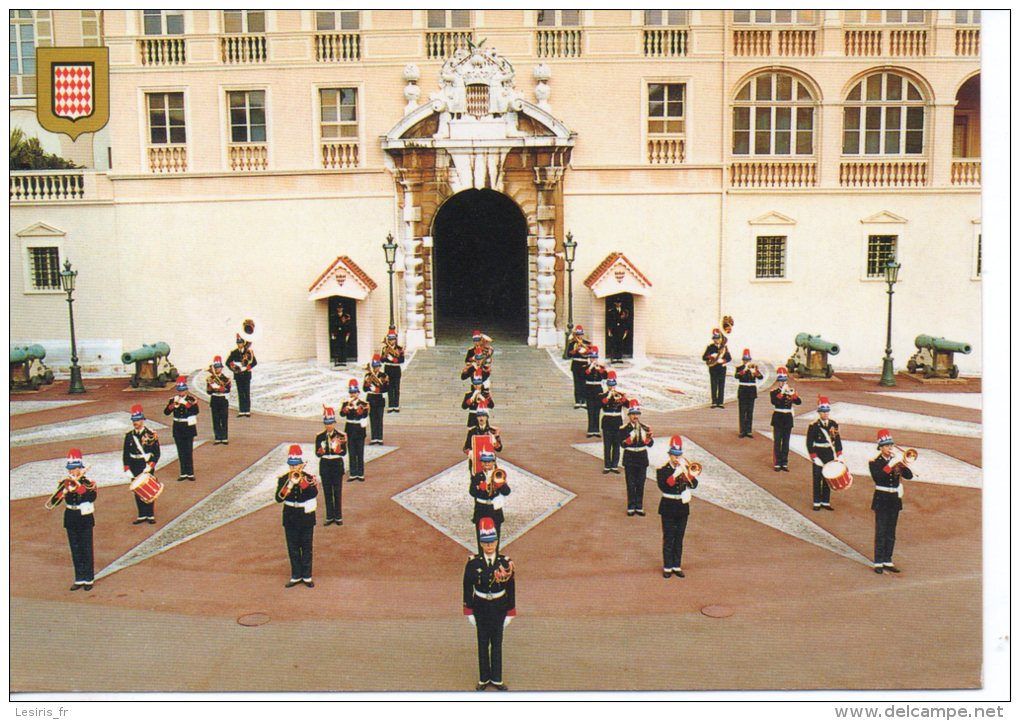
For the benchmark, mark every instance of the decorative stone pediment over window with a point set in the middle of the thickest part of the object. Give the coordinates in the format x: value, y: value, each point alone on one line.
x: 884, y: 217
x: 772, y: 218
x: 343, y: 277
x: 39, y: 230
x: 616, y: 274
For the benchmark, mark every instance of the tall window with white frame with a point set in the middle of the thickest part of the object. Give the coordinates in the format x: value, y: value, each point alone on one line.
x: 163, y: 22
x: 666, y: 122
x: 44, y: 268
x: 770, y: 257
x: 667, y: 17
x: 91, y: 28
x: 167, y: 133
x: 337, y: 20
x: 448, y: 19
x: 774, y: 114
x: 881, y: 249
x: 558, y: 18
x: 338, y: 127
x: 968, y: 17
x: 884, y: 115
x: 244, y: 21
x: 24, y: 39
x: 247, y: 149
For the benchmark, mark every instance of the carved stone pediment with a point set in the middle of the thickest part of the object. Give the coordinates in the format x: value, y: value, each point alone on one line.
x: 478, y: 82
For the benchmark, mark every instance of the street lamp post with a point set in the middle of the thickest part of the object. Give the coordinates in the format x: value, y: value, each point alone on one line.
x: 569, y: 253
x: 390, y: 249
x: 67, y: 279
x: 892, y: 269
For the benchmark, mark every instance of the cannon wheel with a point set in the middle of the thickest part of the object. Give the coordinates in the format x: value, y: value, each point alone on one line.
x: 929, y: 372
x: 34, y: 382
x: 828, y: 370
x: 954, y: 372
x: 163, y: 378
x: 134, y: 381
x: 911, y: 366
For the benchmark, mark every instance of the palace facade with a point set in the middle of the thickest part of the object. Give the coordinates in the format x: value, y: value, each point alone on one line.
x: 761, y: 164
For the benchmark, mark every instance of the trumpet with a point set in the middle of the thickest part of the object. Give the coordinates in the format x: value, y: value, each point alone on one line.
x: 293, y: 479
x: 909, y: 455
x: 67, y: 485
x: 786, y: 390
x: 687, y: 470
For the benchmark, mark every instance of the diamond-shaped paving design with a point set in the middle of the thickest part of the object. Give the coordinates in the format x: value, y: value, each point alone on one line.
x: 19, y: 407
x: 106, y: 424
x: 855, y: 414
x: 443, y: 502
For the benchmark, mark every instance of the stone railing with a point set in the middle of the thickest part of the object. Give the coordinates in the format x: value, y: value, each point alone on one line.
x: 900, y: 42
x: 162, y: 51
x: 666, y: 150
x: 440, y: 44
x: 337, y: 47
x: 774, y: 174
x: 168, y: 158
x: 752, y: 43
x: 965, y: 172
x: 248, y: 156
x: 47, y: 186
x: 968, y: 42
x: 908, y: 43
x: 883, y: 174
x: 862, y: 43
x: 243, y: 49
x: 558, y: 43
x: 796, y: 43
x: 665, y: 43
x: 339, y: 154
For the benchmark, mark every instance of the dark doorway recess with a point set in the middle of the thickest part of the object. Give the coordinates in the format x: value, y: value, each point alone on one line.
x: 480, y: 265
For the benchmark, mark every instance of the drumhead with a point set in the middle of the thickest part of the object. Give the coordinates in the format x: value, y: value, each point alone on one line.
x: 833, y: 469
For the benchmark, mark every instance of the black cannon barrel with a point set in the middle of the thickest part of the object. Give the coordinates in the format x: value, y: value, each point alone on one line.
x: 815, y: 342
x: 933, y: 343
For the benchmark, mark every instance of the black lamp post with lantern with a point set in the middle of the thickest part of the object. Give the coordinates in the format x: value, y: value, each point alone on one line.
x: 67, y: 281
x: 892, y: 270
x: 569, y: 253
x: 390, y: 249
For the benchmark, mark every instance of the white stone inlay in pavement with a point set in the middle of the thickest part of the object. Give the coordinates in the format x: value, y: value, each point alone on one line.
x: 443, y: 502
x: 962, y: 400
x: 106, y: 424
x: 669, y: 383
x: 858, y: 415
x: 250, y: 490
x: 19, y: 407
x: 39, y: 478
x: 930, y: 467
x: 722, y: 486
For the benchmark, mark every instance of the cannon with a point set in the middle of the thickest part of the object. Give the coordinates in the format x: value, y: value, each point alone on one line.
x: 934, y: 357
x: 811, y: 357
x: 152, y: 365
x: 28, y: 371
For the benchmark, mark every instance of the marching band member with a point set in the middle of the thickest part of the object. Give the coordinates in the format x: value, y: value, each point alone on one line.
x: 489, y: 488
x: 184, y: 408
x: 217, y: 385
x: 577, y: 351
x: 478, y: 394
x: 637, y: 439
x: 613, y: 402
x: 297, y: 491
x: 489, y: 603
x: 79, y: 495
x: 330, y: 446
x: 482, y: 347
x: 887, y: 468
x: 376, y: 383
x: 675, y: 480
x: 716, y: 356
x: 355, y: 411
x: 476, y: 366
x: 823, y: 445
x: 594, y: 374
x: 747, y: 375
x: 783, y: 399
x: 141, y: 453
x: 240, y: 362
x: 482, y: 429
x: 393, y: 361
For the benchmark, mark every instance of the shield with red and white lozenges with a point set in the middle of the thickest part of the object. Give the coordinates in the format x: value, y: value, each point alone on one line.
x: 73, y: 89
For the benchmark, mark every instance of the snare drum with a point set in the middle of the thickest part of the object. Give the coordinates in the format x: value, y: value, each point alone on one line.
x: 146, y: 487
x: 837, y: 475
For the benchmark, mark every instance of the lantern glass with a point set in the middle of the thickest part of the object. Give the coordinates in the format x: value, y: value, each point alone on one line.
x: 390, y: 248
x: 892, y: 271
x: 67, y: 277
x: 569, y: 248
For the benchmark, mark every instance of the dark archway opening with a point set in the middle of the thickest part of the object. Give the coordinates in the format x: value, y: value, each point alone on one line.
x: 480, y: 265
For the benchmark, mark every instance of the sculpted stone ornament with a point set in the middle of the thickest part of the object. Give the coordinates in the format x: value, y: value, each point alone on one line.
x: 476, y: 68
x: 411, y: 91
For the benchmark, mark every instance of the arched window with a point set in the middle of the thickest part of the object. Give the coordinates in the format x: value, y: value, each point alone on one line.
x: 884, y: 115
x: 774, y: 114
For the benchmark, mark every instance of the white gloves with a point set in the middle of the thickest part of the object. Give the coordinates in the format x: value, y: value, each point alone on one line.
x: 471, y: 619
x: 818, y: 462
x: 506, y: 621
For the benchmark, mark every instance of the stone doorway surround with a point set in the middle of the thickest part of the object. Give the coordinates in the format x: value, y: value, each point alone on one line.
x: 477, y: 131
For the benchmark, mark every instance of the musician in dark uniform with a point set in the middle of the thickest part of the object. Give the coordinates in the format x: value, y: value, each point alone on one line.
x: 330, y: 446
x: 675, y: 480
x: 79, y: 496
x: 355, y: 412
x: 747, y: 375
x: 217, y: 385
x: 637, y: 439
x: 489, y: 488
x: 618, y: 327
x: 478, y: 394
x: 342, y: 335
x: 141, y: 453
x: 297, y: 491
x: 783, y: 399
x: 887, y: 468
x: 184, y: 409
x: 594, y: 374
x: 393, y: 362
x: 716, y: 356
x: 613, y: 404
x: 240, y: 362
x: 375, y: 386
x: 476, y: 367
x: 481, y: 348
x: 823, y: 445
x: 489, y: 604
x: 482, y: 429
x: 577, y: 351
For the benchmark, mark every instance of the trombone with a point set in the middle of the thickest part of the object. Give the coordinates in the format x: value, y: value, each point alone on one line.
x: 909, y: 456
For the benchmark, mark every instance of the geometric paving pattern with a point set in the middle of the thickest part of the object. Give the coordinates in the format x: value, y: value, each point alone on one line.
x: 19, y: 407
x: 858, y: 415
x: 961, y: 400
x: 106, y: 424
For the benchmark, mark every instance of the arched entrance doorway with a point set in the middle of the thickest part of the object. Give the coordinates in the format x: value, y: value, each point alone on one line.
x: 480, y: 267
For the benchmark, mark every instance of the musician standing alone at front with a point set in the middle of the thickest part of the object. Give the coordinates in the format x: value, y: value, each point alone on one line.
x: 184, y: 408
x: 747, y: 375
x: 783, y: 399
x: 330, y: 446
x: 79, y: 495
x: 887, y: 468
x: 716, y: 356
x: 489, y: 603
x: 141, y: 453
x: 823, y: 445
x: 637, y: 439
x: 675, y: 480
x: 240, y: 362
x: 297, y: 491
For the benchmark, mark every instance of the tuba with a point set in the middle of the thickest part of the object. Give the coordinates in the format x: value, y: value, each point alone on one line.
x: 727, y: 328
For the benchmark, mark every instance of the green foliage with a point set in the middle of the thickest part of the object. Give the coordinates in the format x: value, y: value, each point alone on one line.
x: 28, y: 154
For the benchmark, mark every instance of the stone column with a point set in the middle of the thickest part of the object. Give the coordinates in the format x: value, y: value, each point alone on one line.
x: 546, y: 180
x: 414, y: 298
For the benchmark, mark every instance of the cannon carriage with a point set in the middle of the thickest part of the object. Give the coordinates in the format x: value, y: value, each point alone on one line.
x: 28, y: 371
x: 934, y: 357
x: 152, y: 365
x: 811, y: 357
